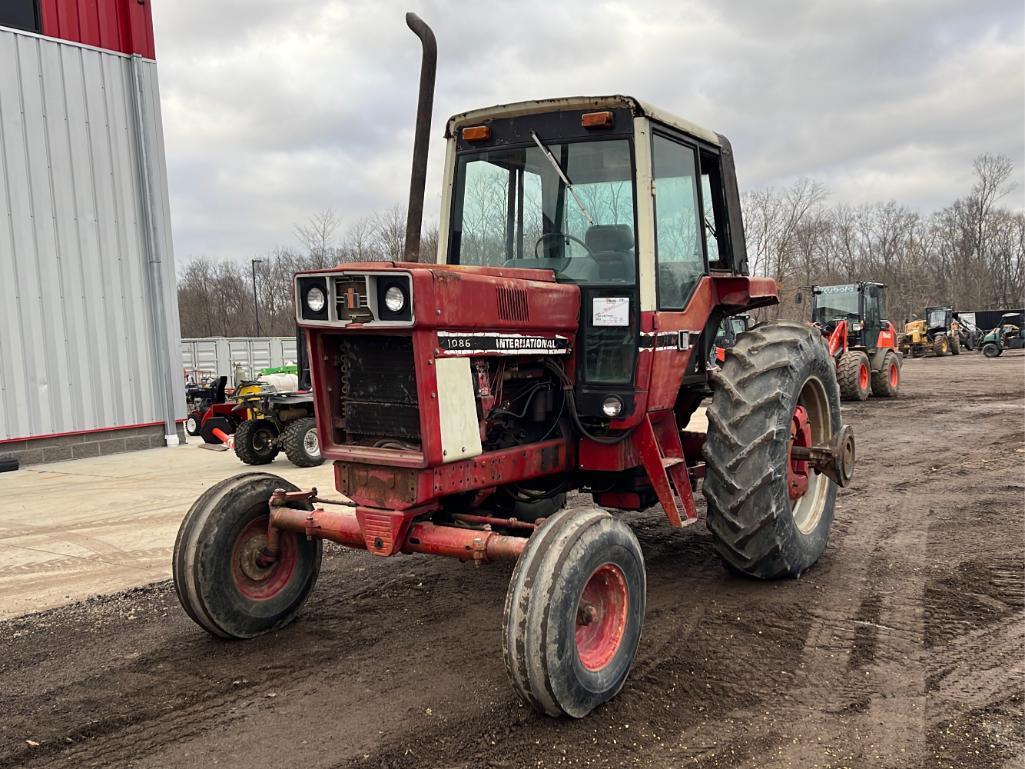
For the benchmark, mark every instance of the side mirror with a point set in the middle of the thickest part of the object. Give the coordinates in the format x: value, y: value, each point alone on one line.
x: 799, y: 298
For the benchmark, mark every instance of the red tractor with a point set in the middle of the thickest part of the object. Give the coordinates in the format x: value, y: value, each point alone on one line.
x: 863, y: 344
x: 590, y: 249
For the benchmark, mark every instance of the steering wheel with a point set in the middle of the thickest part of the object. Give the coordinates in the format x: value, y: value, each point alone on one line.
x: 564, y: 236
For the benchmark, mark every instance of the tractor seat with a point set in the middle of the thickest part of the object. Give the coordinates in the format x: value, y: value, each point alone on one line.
x: 612, y: 246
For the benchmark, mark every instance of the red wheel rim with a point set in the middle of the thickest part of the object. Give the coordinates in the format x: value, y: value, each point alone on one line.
x: 863, y: 376
x: 601, y: 617
x: 797, y: 469
x: 261, y: 583
x: 894, y: 375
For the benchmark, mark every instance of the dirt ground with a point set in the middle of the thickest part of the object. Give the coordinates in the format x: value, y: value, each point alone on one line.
x: 903, y: 647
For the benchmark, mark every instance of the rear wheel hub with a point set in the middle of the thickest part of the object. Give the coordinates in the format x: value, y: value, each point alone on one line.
x: 797, y: 469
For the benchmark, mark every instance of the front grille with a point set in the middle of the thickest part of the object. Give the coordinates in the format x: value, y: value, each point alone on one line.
x: 378, y: 388
x: 512, y: 304
x: 351, y: 300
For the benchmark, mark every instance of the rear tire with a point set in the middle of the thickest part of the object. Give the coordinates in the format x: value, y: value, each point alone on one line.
x: 574, y: 612
x: 256, y: 442
x: 302, y: 446
x: 854, y: 376
x: 955, y: 345
x: 758, y: 529
x: 218, y: 583
x: 886, y: 381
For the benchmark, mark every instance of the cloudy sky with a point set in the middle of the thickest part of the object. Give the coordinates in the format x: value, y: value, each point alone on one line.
x: 275, y: 109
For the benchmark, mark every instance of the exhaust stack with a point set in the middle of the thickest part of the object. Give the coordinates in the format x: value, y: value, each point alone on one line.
x: 424, y: 108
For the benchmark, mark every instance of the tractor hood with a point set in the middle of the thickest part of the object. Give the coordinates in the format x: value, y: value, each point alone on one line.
x: 393, y: 295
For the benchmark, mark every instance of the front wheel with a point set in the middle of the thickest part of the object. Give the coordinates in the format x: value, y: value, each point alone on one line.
x: 302, y: 446
x: 770, y: 514
x: 192, y: 422
x: 256, y: 441
x: 955, y: 345
x: 854, y: 376
x: 573, y: 612
x: 990, y: 350
x: 219, y: 576
x: 940, y: 346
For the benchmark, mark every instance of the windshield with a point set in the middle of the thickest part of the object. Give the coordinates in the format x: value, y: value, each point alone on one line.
x: 512, y: 207
x: 936, y: 318
x: 832, y: 302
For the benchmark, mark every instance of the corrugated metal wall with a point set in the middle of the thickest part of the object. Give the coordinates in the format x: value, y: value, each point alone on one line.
x: 219, y: 356
x: 83, y: 208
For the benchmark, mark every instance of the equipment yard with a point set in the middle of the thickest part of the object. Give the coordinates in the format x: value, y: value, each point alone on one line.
x: 902, y: 647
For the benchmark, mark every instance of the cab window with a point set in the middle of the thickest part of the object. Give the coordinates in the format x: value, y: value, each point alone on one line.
x: 678, y: 232
x: 714, y: 213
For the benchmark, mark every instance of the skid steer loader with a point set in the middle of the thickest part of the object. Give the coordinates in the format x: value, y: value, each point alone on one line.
x: 590, y: 248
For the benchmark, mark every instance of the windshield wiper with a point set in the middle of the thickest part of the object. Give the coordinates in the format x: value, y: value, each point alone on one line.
x: 562, y: 175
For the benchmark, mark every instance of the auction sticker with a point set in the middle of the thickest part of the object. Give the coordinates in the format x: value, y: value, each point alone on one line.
x: 610, y: 311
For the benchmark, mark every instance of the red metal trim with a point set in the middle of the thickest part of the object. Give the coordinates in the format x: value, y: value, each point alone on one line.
x: 125, y: 26
x: 90, y: 431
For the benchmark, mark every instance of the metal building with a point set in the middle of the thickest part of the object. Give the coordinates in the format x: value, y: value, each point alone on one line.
x: 90, y: 358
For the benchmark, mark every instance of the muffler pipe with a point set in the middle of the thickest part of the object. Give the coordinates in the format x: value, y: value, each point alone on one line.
x: 424, y: 108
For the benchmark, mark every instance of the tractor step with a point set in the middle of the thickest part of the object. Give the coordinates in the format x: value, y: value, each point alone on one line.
x: 668, y: 462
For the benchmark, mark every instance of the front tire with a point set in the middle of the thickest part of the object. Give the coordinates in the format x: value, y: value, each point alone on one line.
x: 991, y: 350
x: 778, y: 382
x: 955, y: 345
x: 940, y: 345
x: 192, y: 422
x: 302, y: 445
x: 574, y: 612
x: 218, y: 581
x: 854, y: 376
x: 886, y: 381
x: 256, y: 442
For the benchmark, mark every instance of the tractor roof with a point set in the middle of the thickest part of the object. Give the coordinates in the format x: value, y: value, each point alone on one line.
x: 636, y: 106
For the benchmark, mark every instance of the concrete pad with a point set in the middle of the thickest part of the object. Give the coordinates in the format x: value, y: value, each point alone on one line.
x: 70, y: 530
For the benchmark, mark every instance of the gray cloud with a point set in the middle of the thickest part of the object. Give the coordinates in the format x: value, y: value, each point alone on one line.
x: 274, y: 110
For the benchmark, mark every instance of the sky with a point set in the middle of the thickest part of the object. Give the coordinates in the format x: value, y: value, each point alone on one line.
x: 274, y: 110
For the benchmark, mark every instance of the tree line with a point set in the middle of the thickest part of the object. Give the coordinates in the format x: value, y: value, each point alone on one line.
x: 970, y: 254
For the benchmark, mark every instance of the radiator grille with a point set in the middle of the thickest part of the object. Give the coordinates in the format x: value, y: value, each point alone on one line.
x: 512, y: 303
x: 378, y: 390
x: 351, y: 301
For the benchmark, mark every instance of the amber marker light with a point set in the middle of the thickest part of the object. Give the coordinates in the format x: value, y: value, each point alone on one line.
x: 603, y: 119
x: 477, y: 133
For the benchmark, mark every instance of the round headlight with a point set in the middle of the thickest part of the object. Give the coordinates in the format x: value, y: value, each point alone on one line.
x: 394, y: 299
x: 315, y: 299
x: 612, y: 406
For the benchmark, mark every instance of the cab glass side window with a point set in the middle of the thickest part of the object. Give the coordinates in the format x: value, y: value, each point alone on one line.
x: 713, y: 203
x: 678, y: 249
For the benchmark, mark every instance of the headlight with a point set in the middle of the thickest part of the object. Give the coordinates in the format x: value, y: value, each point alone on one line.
x: 394, y: 299
x: 612, y: 406
x: 315, y: 299
x: 856, y: 326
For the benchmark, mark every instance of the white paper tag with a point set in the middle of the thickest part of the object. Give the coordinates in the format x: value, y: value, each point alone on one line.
x: 610, y: 311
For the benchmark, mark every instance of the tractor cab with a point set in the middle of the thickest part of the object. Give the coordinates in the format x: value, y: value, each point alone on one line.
x: 861, y: 306
x: 635, y: 207
x: 938, y: 319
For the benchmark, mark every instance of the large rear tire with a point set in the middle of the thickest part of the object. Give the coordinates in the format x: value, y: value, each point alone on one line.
x: 886, y: 381
x: 573, y: 612
x: 302, y: 445
x: 778, y: 379
x: 854, y: 376
x: 216, y: 576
